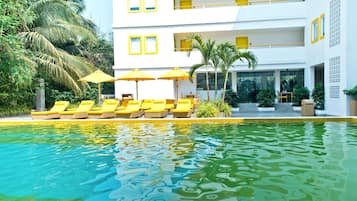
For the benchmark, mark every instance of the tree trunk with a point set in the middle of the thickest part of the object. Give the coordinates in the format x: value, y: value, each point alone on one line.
x: 207, y: 85
x: 215, y: 84
x: 224, y: 87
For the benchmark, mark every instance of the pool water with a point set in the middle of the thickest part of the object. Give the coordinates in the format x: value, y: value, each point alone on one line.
x: 179, y: 161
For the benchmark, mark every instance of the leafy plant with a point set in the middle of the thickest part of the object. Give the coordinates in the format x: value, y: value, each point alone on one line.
x: 223, y: 107
x: 266, y: 98
x: 231, y: 98
x: 318, y: 94
x: 300, y: 93
x: 351, y: 92
x: 207, y: 109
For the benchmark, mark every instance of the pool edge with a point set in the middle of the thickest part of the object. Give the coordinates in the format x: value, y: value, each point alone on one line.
x: 186, y: 120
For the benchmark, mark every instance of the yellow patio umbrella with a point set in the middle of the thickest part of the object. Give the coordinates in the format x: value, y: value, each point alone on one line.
x: 97, y: 77
x: 175, y: 74
x: 136, y: 75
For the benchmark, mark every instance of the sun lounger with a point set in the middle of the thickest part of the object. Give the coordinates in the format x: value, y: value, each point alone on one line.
x: 170, y: 104
x: 59, y: 106
x: 183, y: 108
x: 146, y: 105
x: 80, y: 113
x: 107, y: 110
x: 132, y: 110
x: 157, y: 110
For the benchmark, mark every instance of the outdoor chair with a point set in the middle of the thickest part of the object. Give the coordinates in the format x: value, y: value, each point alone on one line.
x: 183, y: 108
x: 146, y: 104
x: 53, y: 113
x: 80, y: 113
x: 132, y: 110
x: 158, y: 110
x: 106, y: 111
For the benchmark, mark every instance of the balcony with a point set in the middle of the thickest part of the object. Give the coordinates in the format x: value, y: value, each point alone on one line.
x: 196, y: 4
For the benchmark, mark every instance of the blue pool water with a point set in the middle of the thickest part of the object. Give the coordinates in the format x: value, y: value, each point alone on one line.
x: 169, y: 161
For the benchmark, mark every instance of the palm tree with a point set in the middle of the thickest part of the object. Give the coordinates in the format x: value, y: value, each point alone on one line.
x: 53, y: 35
x: 215, y: 63
x: 207, y: 51
x: 228, y: 53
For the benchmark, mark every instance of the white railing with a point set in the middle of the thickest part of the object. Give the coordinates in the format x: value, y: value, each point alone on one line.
x: 252, y: 2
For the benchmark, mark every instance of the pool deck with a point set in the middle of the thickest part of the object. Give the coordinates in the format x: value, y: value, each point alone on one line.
x: 236, y: 118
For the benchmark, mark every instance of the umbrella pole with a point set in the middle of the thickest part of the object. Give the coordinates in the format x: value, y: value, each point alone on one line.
x: 137, y: 91
x: 99, y: 102
x: 176, y: 83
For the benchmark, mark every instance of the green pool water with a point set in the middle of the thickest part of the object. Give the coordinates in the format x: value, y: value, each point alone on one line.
x: 303, y: 161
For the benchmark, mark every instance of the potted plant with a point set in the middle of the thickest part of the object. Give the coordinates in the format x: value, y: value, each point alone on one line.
x: 353, y: 101
x: 318, y: 94
x: 265, y: 99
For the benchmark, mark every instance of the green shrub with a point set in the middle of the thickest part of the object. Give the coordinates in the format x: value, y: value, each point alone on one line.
x: 266, y: 98
x: 231, y: 98
x: 14, y: 111
x: 225, y: 108
x: 351, y: 92
x: 300, y: 93
x: 207, y: 109
x: 53, y: 95
x: 318, y: 94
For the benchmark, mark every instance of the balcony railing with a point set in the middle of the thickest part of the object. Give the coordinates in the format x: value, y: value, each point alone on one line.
x: 256, y: 46
x: 226, y: 4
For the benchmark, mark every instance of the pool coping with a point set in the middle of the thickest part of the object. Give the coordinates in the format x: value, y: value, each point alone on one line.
x: 186, y: 120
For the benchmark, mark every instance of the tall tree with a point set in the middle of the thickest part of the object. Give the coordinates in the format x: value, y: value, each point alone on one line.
x: 229, y: 54
x: 216, y: 63
x: 54, y: 35
x: 207, y: 51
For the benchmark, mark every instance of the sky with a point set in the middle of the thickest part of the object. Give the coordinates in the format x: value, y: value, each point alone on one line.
x: 101, y: 12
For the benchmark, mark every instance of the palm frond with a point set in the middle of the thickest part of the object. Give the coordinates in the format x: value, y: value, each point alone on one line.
x: 193, y: 70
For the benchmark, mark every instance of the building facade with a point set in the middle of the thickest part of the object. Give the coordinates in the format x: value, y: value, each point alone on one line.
x: 297, y: 43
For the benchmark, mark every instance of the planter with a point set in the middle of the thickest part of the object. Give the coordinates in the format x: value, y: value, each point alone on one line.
x: 297, y: 108
x: 266, y: 109
x: 235, y: 109
x: 320, y: 112
x: 353, y: 107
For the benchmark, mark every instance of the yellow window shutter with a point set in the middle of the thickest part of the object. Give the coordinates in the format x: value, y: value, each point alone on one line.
x: 186, y: 45
x: 185, y: 4
x: 242, y: 42
x: 242, y: 2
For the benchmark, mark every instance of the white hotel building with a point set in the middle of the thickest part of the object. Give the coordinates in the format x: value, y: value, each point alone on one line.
x: 296, y: 42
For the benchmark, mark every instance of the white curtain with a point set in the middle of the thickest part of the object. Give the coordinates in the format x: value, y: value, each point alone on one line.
x: 151, y: 44
x: 134, y: 4
x: 135, y: 45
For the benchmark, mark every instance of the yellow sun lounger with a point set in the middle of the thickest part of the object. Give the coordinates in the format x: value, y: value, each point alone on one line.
x: 146, y: 105
x: 132, y: 110
x: 183, y: 108
x: 158, y: 110
x: 80, y: 113
x: 107, y: 110
x: 59, y: 106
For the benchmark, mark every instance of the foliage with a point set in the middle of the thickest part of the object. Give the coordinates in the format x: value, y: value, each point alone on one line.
x: 206, y: 48
x: 300, y: 93
x: 207, y: 109
x: 53, y: 95
x: 228, y: 54
x: 351, y: 92
x: 223, y: 107
x: 318, y: 94
x: 266, y: 98
x: 14, y: 111
x: 231, y: 98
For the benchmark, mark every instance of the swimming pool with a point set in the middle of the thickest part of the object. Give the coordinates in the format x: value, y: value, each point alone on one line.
x: 179, y: 161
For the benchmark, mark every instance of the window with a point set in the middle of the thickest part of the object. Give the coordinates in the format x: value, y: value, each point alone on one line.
x: 151, y: 44
x: 242, y: 42
x: 242, y: 2
x: 185, y: 45
x: 150, y: 5
x: 202, y: 85
x: 134, y: 6
x: 185, y: 4
x: 322, y: 26
x: 315, y: 30
x: 135, y: 45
